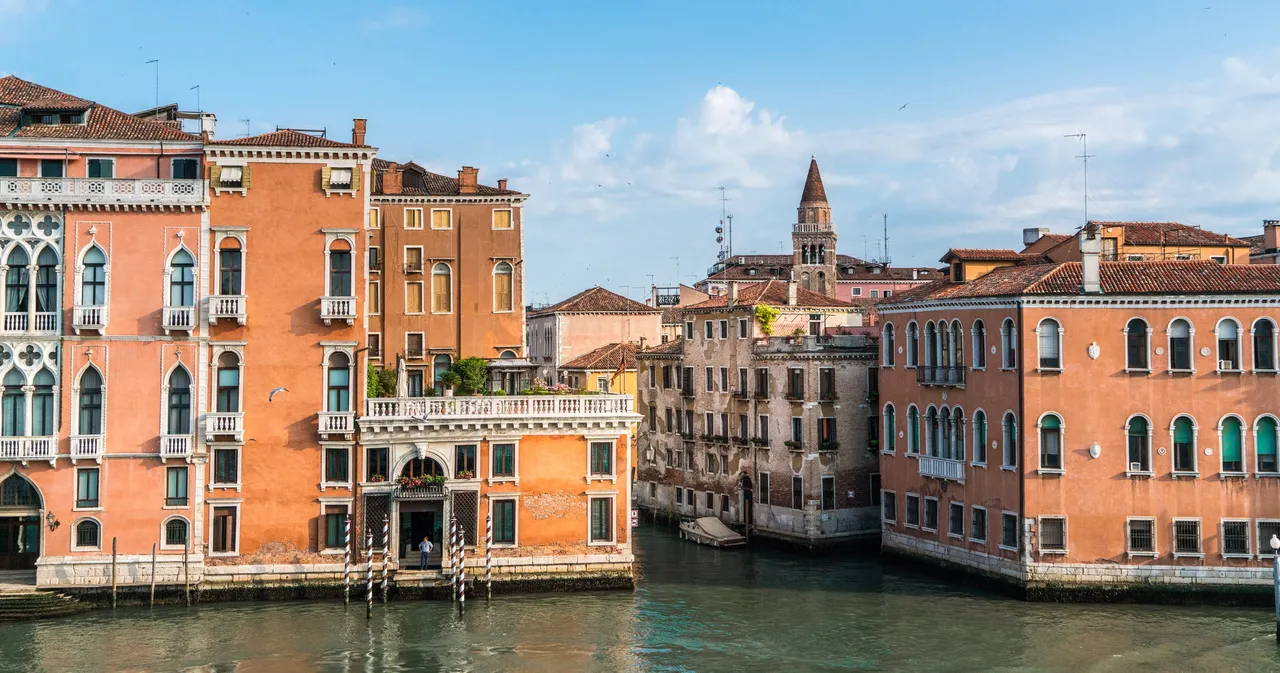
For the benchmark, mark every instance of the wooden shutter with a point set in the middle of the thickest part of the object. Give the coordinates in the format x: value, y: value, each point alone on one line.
x: 326, y: 172
x: 244, y: 176
x: 215, y: 174
x: 356, y: 174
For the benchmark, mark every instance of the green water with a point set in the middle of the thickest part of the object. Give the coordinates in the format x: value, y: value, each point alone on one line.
x: 696, y: 609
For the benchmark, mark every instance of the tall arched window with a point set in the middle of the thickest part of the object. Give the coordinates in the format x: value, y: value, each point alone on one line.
x: 17, y: 491
x: 957, y: 432
x: 930, y: 346
x: 1139, y: 435
x: 340, y: 269
x: 979, y: 345
x: 440, y: 364
x: 889, y: 346
x: 980, y: 437
x: 1050, y: 442
x: 230, y: 268
x: 1232, y: 432
x: 1049, y: 338
x: 943, y: 359
x: 42, y: 405
x: 441, y: 288
x: 957, y: 344
x: 46, y: 281
x: 890, y: 429
x: 822, y: 278
x: 1180, y: 345
x: 1135, y: 345
x: 913, y: 344
x: 946, y: 448
x: 1184, y: 445
x: 228, y: 382
x: 1264, y: 345
x: 1008, y: 344
x: 932, y: 435
x: 339, y: 382
x: 90, y: 402
x: 913, y: 430
x: 182, y: 279
x: 15, y: 405
x: 1265, y: 441
x: 1228, y: 345
x: 179, y: 402
x: 93, y: 283
x: 503, y: 287
x: 804, y: 281
x: 17, y: 282
x: 1009, y: 429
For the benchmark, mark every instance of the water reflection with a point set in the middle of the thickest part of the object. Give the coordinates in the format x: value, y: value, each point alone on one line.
x: 697, y: 609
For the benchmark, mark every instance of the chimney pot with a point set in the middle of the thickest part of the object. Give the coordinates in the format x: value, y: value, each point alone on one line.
x: 392, y: 179
x: 468, y: 180
x: 1090, y: 260
x: 357, y: 131
x: 502, y: 183
x: 793, y: 293
x: 733, y: 293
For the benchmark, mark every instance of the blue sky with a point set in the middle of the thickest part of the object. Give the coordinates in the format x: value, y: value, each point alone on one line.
x: 622, y: 119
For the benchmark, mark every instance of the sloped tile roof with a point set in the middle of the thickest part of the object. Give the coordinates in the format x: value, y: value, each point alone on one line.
x: 1257, y: 244
x: 1170, y: 233
x: 597, y: 300
x: 982, y: 255
x: 814, y: 192
x: 673, y: 347
x: 672, y: 315
x: 1046, y: 242
x: 286, y: 138
x: 772, y: 292
x: 418, y: 181
x: 100, y: 123
x: 607, y: 357
x: 848, y: 268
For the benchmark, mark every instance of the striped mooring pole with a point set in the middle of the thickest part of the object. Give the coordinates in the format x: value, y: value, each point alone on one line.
x: 346, y: 562
x: 488, y: 558
x: 386, y: 548
x: 462, y: 572
x: 453, y: 559
x: 368, y: 577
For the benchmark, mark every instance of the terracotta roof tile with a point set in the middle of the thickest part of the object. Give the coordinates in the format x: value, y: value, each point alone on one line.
x: 982, y: 255
x: 418, y: 181
x: 847, y: 268
x: 672, y: 315
x: 1257, y: 244
x: 773, y: 292
x: 1046, y: 242
x: 673, y: 347
x: 607, y: 357
x: 100, y: 123
x: 1170, y: 233
x: 597, y: 300
x: 286, y: 138
x: 814, y: 192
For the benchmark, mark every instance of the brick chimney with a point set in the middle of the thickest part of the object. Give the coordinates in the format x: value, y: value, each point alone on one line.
x: 733, y: 293
x: 1091, y: 259
x: 793, y: 293
x: 502, y: 183
x: 1271, y: 234
x: 357, y: 131
x: 468, y: 180
x: 392, y: 179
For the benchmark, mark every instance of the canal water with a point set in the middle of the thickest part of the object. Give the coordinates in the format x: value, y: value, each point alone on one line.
x: 696, y: 609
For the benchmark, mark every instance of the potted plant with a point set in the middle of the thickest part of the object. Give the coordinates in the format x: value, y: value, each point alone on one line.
x: 792, y: 444
x: 377, y: 478
x: 449, y: 380
x: 466, y: 474
x: 831, y: 445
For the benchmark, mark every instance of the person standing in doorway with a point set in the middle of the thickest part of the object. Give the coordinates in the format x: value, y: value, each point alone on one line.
x: 425, y: 547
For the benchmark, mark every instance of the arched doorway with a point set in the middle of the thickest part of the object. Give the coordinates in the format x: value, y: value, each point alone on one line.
x: 748, y: 501
x: 20, y: 505
x: 422, y: 467
x: 420, y: 507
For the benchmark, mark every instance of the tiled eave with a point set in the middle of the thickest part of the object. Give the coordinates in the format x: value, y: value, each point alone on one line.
x: 467, y: 199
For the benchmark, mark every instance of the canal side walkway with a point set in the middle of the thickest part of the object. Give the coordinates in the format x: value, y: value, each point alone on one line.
x: 19, y: 599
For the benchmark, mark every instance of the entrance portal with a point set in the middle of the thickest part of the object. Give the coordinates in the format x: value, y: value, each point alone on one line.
x: 418, y: 520
x: 19, y: 524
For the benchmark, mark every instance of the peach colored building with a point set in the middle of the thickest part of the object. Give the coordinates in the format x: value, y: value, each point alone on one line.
x: 584, y: 322
x: 1139, y: 242
x: 1084, y: 425
x: 1265, y: 247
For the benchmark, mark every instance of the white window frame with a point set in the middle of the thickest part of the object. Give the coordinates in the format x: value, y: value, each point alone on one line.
x: 76, y: 524
x: 421, y: 220
x: 324, y: 460
x: 345, y: 501
x: 951, y: 505
x: 494, y: 219
x: 1151, y: 440
x: 214, y: 505
x: 430, y: 300
x: 906, y: 521
x: 78, y: 289
x: 332, y: 236
x: 1191, y: 346
x: 216, y: 350
x: 422, y: 356
x: 743, y: 331
x: 1066, y: 546
x: 75, y: 487
x: 888, y: 436
x: 213, y: 467
x: 924, y: 514
x: 494, y: 282
x: 1124, y: 344
x: 423, y: 294
x: 978, y: 353
x: 1173, y: 526
x: 912, y: 336
x: 612, y: 440
x: 1275, y: 342
x: 613, y: 511
x: 190, y: 487
x: 1004, y: 442
x: 75, y: 399
x: 432, y: 224
x: 404, y: 258
x: 514, y: 498
x: 375, y: 218
x: 1008, y: 361
x: 1217, y: 329
x: 373, y: 306
x: 1194, y: 472
x: 986, y: 530
x: 1128, y: 538
x: 723, y: 327
x: 889, y: 342
x: 985, y: 445
x: 708, y: 330
x: 164, y: 524
x: 1062, y: 444
x: 196, y: 295
x: 709, y: 382
x: 1017, y: 526
x: 515, y: 461
x: 1244, y: 449
x: 1040, y: 326
x: 689, y: 332
x: 1250, y: 532
x: 883, y: 500
x: 1257, y: 472
x: 1256, y: 533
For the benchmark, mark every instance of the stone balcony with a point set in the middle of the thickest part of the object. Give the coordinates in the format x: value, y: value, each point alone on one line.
x: 337, y: 424
x: 942, y: 468
x: 176, y: 446
x: 224, y: 425
x: 87, y: 447
x: 89, y: 317
x: 178, y: 319
x: 23, y: 449
x: 30, y: 322
x: 227, y: 307
x: 338, y: 308
x: 547, y: 414
x: 147, y: 191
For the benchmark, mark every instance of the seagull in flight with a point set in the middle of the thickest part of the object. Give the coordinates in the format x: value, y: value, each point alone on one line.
x: 272, y: 395
x: 904, y: 106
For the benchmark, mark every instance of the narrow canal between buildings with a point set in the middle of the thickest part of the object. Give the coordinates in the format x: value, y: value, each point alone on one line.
x: 696, y: 609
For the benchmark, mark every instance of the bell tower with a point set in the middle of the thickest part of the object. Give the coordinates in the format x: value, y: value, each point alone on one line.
x: 813, y: 238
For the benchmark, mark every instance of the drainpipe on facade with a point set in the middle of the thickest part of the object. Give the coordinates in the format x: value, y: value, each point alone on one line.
x: 1022, y: 481
x: 457, y: 278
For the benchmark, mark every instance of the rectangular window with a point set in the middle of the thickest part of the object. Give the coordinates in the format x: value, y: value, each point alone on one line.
x: 724, y: 379
x: 688, y: 492
x: 724, y: 329
x: 828, y: 493
x: 415, y: 383
x: 464, y: 459
x: 955, y: 522
x: 224, y: 530
x: 797, y: 431
x: 724, y: 425
x: 602, y: 384
x: 711, y: 501
x: 504, y: 521
x: 226, y: 468
x: 666, y: 377
x: 827, y: 433
x: 102, y: 168
x: 762, y: 383
x: 669, y: 412
x: 375, y: 218
x: 875, y: 294
x: 708, y: 330
x: 50, y: 168
x: 375, y: 464
x: 1053, y: 534
x: 930, y: 514
x: 337, y: 466
x: 413, y: 297
x: 335, y: 526
x: 87, y: 487
x: 1009, y: 531
x: 502, y: 219
x: 744, y: 427
x: 653, y: 418
x: 797, y: 492
x: 602, y: 518
x: 175, y: 489
x: 375, y: 297
x: 688, y: 330
x: 742, y: 382
x: 8, y: 168
x: 710, y: 379
x: 827, y: 383
x: 601, y: 458
x: 888, y: 506
x: 1186, y: 537
x: 412, y: 218
x: 375, y: 258
x: 815, y: 325
x: 913, y: 510
x: 441, y: 219
x: 340, y: 178
x: 413, y: 259
x: 1142, y: 536
x: 724, y: 504
x: 763, y: 495
x: 653, y: 376
x: 709, y: 424
x: 1266, y: 529
x: 762, y: 431
x: 742, y: 328
x: 795, y: 384
x: 724, y: 464
x: 1235, y: 538
x: 978, y: 524
x: 375, y: 345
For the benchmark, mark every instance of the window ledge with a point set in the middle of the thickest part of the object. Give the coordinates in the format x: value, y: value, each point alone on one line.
x: 1266, y: 475
x: 888, y: 522
x: 503, y: 545
x: 1049, y: 370
x: 1053, y: 552
x: 86, y: 509
x: 886, y: 452
x: 977, y: 464
x: 1147, y: 474
x: 333, y: 552
x: 1141, y: 554
x: 1007, y: 548
x: 978, y: 369
x: 1137, y: 370
x: 224, y: 554
x: 339, y: 190
x: 977, y: 541
x: 1051, y: 471
x: 1008, y: 369
x: 1233, y: 475
x: 504, y: 480
x: 82, y: 549
x: 1183, y: 372
x: 886, y: 366
x: 929, y: 530
x: 1230, y: 371
x: 1266, y: 371
x: 1245, y: 557
x: 226, y: 487
x: 602, y: 543
x: 1188, y: 554
x: 1184, y: 475
x: 1009, y: 468
x: 913, y: 526
x: 602, y: 477
x: 909, y: 366
x: 175, y: 507
x: 957, y: 536
x: 335, y: 484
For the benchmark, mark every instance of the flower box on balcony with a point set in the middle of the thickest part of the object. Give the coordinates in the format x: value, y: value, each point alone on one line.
x: 793, y: 445
x: 795, y: 396
x: 760, y: 441
x: 829, y: 445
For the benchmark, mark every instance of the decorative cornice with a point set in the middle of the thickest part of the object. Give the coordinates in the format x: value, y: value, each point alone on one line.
x: 106, y: 207
x: 327, y: 154
x: 1086, y: 301
x: 469, y: 199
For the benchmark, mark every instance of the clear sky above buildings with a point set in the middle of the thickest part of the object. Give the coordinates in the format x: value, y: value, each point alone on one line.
x: 622, y: 119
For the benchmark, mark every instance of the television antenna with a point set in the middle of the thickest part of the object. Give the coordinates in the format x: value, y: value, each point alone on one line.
x: 196, y: 89
x: 1085, y: 156
x: 157, y: 62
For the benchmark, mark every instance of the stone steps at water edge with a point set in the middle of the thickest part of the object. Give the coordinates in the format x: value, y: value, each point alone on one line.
x: 38, y: 605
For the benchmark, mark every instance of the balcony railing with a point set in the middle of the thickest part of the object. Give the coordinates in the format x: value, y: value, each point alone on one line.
x: 762, y: 394
x: 178, y: 318
x: 28, y: 448
x: 224, y: 424
x: 337, y: 423
x: 24, y: 322
x: 940, y: 376
x: 544, y: 406
x: 102, y: 190
x: 941, y: 468
x: 809, y: 228
x: 87, y: 447
x: 687, y: 392
x: 412, y: 268
x: 338, y: 308
x: 429, y: 492
x: 227, y: 307
x: 415, y: 351
x: 89, y: 317
x: 175, y: 446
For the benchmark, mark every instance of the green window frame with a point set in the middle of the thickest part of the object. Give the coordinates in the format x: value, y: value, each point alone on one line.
x: 1232, y: 451
x: 175, y: 488
x: 1266, y: 444
x: 913, y: 430
x: 465, y: 460
x: 87, y: 487
x: 602, y: 458
x: 601, y: 520
x: 1184, y: 451
x: 101, y: 168
x: 504, y: 460
x: 335, y: 522
x: 504, y: 521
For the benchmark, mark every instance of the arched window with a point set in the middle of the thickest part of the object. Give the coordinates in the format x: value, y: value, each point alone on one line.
x: 888, y: 344
x: 822, y: 253
x: 979, y: 345
x: 1264, y: 345
x: 822, y: 278
x: 90, y: 402
x: 175, y: 533
x: 179, y: 402
x: 339, y: 382
x: 1136, y: 346
x: 1050, y: 442
x: 46, y: 281
x: 943, y: 359
x: 804, y: 254
x: 93, y: 283
x: 957, y: 432
x: 1184, y: 444
x: 17, y: 491
x: 946, y: 447
x: 933, y: 437
x: 1228, y: 345
x: 890, y: 429
x: 17, y: 282
x: 980, y: 437
x: 42, y: 405
x: 1009, y: 428
x: 957, y: 345
x: 440, y: 365
x: 913, y: 344
x: 930, y: 347
x: 1050, y: 342
x: 88, y: 535
x: 507, y: 355
x: 503, y: 287
x: 228, y: 383
x: 804, y: 281
x: 1231, y: 430
x: 340, y: 269
x: 422, y: 467
x: 1265, y: 441
x: 15, y: 405
x: 182, y: 279
x: 441, y: 288
x: 230, y: 267
x: 913, y: 430
x: 1139, y: 434
x: 1008, y: 344
x: 1180, y: 345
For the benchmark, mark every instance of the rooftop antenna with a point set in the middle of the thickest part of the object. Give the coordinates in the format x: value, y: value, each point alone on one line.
x: 885, y: 259
x: 720, y: 232
x: 730, y: 216
x: 677, y: 269
x: 246, y: 126
x: 1084, y: 154
x: 196, y: 88
x: 157, y: 62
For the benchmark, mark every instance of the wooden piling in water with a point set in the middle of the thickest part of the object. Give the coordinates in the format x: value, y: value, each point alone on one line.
x: 113, y: 573
x: 186, y: 574
x: 153, y: 576
x: 386, y: 547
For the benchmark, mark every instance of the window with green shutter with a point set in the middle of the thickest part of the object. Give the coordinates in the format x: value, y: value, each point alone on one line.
x: 602, y: 519
x: 504, y: 521
x: 504, y: 460
x: 1184, y: 450
x: 1232, y: 456
x: 1267, y: 445
x: 8, y: 168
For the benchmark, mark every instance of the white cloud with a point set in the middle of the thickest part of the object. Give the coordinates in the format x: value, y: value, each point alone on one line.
x: 395, y: 17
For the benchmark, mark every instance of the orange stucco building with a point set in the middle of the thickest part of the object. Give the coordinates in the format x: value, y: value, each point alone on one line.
x: 1087, y: 424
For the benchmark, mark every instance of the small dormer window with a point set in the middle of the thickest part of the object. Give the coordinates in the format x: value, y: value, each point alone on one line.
x: 957, y: 272
x: 71, y: 118
x: 44, y: 119
x: 751, y: 272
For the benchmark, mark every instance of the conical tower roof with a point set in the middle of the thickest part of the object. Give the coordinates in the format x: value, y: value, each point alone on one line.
x: 813, y: 190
